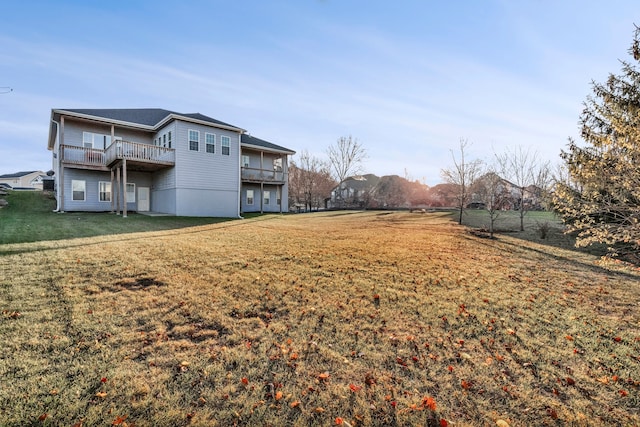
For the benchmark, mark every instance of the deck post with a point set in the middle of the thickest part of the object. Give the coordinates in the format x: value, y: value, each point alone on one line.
x: 261, y: 196
x: 124, y: 188
x: 112, y: 191
x: 118, y: 190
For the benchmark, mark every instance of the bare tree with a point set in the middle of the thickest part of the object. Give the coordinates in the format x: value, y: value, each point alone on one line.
x: 462, y: 174
x: 346, y: 157
x: 527, y: 174
x: 494, y: 193
x: 309, y: 180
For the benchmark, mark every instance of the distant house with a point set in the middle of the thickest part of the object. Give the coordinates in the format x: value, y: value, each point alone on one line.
x: 157, y: 160
x: 31, y: 180
x: 355, y: 192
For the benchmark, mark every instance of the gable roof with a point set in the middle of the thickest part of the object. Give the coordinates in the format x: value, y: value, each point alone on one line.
x: 248, y: 140
x: 18, y: 174
x: 151, y: 117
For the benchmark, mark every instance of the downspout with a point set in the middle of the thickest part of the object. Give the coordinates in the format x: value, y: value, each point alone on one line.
x: 57, y: 209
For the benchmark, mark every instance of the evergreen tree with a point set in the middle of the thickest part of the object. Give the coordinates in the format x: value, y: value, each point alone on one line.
x: 601, y: 200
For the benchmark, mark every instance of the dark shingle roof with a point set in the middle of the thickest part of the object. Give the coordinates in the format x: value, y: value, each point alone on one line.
x: 252, y: 140
x: 16, y: 175
x: 142, y: 116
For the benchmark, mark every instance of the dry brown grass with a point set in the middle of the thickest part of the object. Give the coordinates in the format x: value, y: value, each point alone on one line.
x: 316, y: 319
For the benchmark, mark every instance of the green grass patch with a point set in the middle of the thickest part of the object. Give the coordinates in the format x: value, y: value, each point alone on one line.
x: 29, y: 217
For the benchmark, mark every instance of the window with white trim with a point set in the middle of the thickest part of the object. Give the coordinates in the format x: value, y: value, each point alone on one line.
x: 131, y: 193
x: 164, y: 140
x: 104, y: 191
x: 194, y: 140
x: 226, y: 143
x: 97, y: 140
x: 245, y: 161
x: 278, y: 198
x: 267, y: 197
x: 277, y: 164
x: 169, y: 140
x: 249, y: 197
x: 78, y: 190
x: 210, y: 143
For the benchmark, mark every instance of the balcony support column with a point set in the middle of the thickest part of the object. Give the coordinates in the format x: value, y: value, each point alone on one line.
x: 124, y: 188
x: 112, y: 190
x: 118, y: 190
x: 261, y: 196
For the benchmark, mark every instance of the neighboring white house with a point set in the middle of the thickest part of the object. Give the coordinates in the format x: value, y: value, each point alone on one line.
x: 24, y: 180
x: 157, y: 160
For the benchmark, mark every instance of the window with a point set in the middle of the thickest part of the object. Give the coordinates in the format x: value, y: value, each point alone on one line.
x: 249, y: 197
x: 210, y: 142
x: 194, y: 140
x: 78, y: 188
x: 169, y: 139
x: 278, y: 196
x: 87, y: 140
x: 267, y: 197
x: 225, y: 145
x: 131, y: 193
x: 164, y: 140
x: 97, y: 140
x: 245, y: 161
x: 104, y: 191
x: 277, y: 164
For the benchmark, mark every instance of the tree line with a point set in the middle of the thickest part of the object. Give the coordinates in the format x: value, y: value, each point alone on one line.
x: 595, y: 188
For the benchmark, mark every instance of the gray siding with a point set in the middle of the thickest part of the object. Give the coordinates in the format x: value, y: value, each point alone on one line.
x: 258, y: 197
x: 202, y: 170
x: 215, y: 203
x: 73, y: 133
x: 164, y: 201
x: 92, y: 201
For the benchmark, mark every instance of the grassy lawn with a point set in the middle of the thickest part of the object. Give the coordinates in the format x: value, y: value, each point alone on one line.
x: 30, y: 218
x: 359, y: 318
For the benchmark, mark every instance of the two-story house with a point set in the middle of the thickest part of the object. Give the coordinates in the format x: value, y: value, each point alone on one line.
x: 151, y: 159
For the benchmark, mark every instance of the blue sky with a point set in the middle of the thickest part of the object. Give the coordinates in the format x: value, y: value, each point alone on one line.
x: 408, y: 78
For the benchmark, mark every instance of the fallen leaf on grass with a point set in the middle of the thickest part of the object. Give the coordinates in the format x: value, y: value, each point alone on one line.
x: 355, y: 388
x: 278, y: 395
x: 429, y: 402
x: 294, y: 404
x: 43, y: 417
x: 101, y: 394
x: 323, y: 376
x: 119, y: 420
x: 623, y: 393
x: 502, y: 423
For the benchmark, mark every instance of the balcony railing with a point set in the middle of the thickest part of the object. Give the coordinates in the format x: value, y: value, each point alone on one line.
x: 118, y: 150
x: 83, y: 156
x: 262, y: 175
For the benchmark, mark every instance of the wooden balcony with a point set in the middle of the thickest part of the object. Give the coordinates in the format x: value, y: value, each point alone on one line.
x: 262, y: 176
x: 144, y: 157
